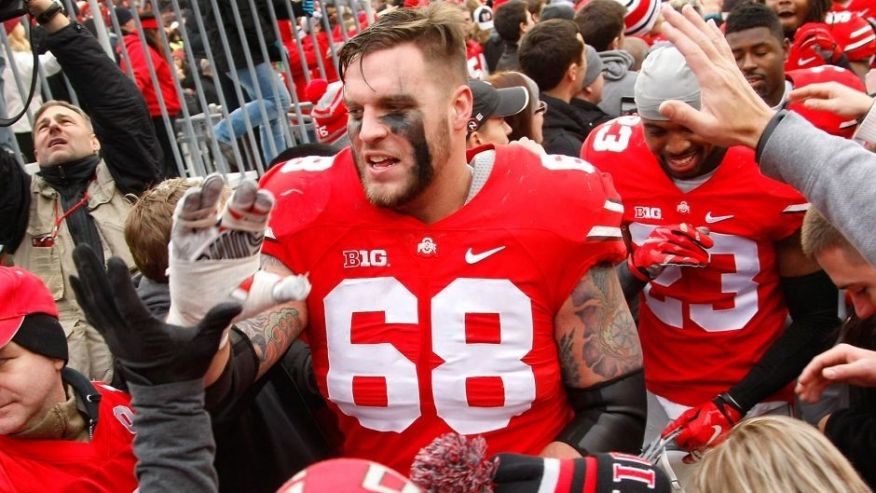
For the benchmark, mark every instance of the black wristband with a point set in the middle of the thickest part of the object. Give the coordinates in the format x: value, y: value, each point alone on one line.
x: 47, y: 15
x: 767, y: 132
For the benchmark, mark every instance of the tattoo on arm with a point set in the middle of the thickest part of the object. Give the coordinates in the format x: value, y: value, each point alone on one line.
x: 596, y: 335
x: 271, y: 332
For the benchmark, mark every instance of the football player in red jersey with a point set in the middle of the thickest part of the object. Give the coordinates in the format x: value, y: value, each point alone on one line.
x: 754, y: 33
x: 473, y: 294
x: 715, y: 249
x: 861, y: 8
x: 821, y: 38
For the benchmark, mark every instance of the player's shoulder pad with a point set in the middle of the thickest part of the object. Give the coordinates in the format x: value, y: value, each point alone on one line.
x: 302, y: 188
x: 613, y: 136
x: 578, y: 200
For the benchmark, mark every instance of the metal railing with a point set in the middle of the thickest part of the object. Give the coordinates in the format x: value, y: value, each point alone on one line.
x: 261, y: 103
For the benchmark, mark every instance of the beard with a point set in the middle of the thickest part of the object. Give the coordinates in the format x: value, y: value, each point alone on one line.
x: 426, y: 152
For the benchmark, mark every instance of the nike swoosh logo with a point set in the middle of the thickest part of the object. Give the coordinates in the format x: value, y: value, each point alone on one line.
x: 716, y: 432
x: 804, y: 61
x: 715, y: 219
x: 473, y: 258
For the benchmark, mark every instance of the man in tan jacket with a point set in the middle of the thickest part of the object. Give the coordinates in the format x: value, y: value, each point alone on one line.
x: 88, y: 164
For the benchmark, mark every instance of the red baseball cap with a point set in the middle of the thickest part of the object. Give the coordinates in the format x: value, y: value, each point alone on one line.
x: 21, y: 293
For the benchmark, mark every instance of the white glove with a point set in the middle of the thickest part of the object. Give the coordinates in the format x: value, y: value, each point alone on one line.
x: 212, y: 258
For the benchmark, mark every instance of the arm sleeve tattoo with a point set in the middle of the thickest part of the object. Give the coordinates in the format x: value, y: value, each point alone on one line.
x: 272, y: 331
x: 596, y: 336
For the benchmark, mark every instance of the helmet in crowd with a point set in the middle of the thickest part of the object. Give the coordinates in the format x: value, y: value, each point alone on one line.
x: 828, y: 121
x: 350, y: 476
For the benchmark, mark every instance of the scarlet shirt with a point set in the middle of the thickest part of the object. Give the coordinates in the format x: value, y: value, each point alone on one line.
x: 862, y: 8
x: 474, y: 58
x: 702, y: 329
x: 854, y: 33
x: 105, y: 464
x: 419, y: 329
x: 137, y: 53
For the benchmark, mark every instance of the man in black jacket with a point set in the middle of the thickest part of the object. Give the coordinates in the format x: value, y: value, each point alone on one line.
x: 511, y: 21
x: 590, y: 96
x: 88, y: 163
x: 553, y: 54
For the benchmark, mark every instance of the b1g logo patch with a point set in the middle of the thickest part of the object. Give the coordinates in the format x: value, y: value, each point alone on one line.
x: 641, y: 212
x: 365, y: 258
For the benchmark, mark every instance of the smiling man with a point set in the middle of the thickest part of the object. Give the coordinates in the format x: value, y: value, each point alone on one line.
x: 57, y: 429
x: 716, y: 256
x: 448, y: 293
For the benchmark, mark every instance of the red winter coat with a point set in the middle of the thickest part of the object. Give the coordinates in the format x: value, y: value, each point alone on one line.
x: 139, y: 67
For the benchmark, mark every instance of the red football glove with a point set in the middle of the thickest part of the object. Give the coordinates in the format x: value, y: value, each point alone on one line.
x: 679, y: 244
x: 704, y: 426
x: 814, y: 45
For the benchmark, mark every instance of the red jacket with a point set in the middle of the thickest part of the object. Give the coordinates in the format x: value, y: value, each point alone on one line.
x: 105, y: 464
x: 139, y: 67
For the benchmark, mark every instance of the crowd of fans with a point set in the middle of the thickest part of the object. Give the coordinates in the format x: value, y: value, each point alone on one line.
x: 536, y: 246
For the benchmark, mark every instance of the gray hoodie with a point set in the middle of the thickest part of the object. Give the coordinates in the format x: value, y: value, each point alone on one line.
x: 619, y: 80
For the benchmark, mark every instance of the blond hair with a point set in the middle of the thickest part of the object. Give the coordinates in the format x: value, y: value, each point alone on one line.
x: 18, y: 40
x: 817, y: 235
x: 438, y: 31
x: 775, y: 454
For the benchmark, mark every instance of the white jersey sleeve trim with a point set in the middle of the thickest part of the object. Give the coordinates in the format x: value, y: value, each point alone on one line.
x: 604, y: 232
x: 796, y: 208
x: 614, y: 206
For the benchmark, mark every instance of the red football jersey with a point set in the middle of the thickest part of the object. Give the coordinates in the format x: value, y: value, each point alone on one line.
x: 420, y: 329
x: 854, y: 33
x: 702, y: 329
x: 477, y: 64
x: 861, y: 8
x: 105, y: 464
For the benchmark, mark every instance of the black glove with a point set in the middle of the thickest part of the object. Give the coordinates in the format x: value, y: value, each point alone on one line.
x: 150, y: 351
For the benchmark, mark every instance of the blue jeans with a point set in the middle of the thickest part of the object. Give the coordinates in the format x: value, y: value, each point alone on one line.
x: 276, y: 107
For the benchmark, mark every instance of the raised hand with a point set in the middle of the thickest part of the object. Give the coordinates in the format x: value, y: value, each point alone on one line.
x: 732, y: 113
x: 834, y: 97
x: 213, y: 256
x: 151, y: 351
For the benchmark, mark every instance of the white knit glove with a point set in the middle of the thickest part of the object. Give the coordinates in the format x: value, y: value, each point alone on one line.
x: 213, y: 257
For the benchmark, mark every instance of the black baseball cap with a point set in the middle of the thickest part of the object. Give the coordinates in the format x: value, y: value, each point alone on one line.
x: 492, y: 102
